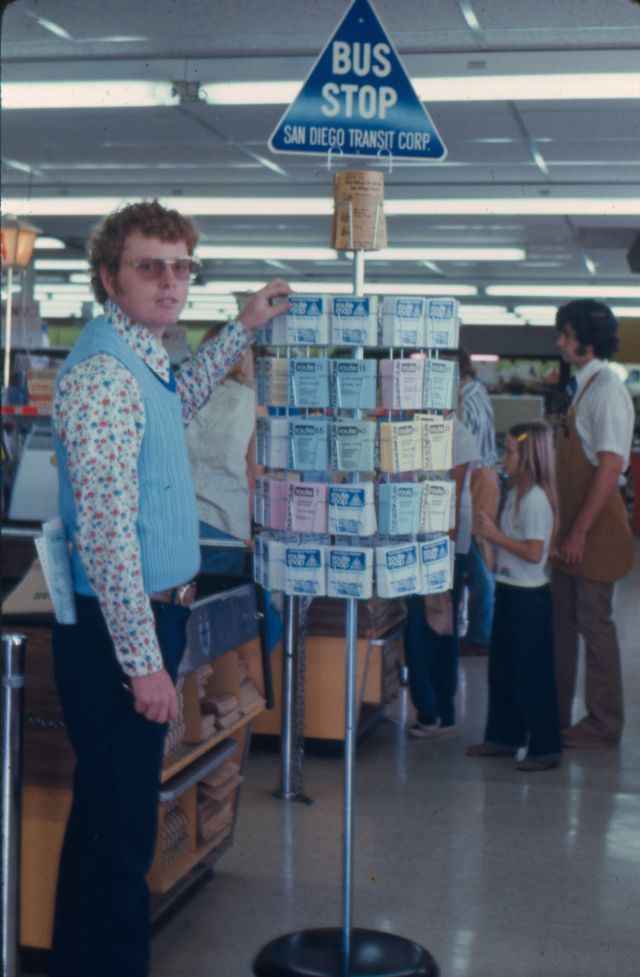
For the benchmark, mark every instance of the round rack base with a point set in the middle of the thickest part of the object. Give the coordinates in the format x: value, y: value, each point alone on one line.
x: 319, y: 953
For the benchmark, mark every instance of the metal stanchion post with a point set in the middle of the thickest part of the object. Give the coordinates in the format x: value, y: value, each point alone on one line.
x: 288, y: 705
x: 11, y: 727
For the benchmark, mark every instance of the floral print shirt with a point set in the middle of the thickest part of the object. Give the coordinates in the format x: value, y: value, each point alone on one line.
x: 99, y: 415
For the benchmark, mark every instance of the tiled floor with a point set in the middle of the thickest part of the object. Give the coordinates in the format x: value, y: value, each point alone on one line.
x: 497, y: 873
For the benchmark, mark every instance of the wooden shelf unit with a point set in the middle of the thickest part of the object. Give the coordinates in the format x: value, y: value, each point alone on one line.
x: 48, y: 771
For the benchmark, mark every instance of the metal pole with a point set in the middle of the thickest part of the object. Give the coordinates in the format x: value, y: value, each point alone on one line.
x: 7, y: 328
x: 11, y: 732
x: 288, y: 705
x: 350, y: 708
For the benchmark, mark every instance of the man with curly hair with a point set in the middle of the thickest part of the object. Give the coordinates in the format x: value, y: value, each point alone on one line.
x: 128, y: 506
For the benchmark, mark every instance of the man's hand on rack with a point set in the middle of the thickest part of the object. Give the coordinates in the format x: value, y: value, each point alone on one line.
x: 155, y: 697
x: 260, y: 309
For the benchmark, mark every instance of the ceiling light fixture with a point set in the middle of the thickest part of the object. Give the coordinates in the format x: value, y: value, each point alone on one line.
x: 602, y: 291
x: 456, y: 88
x: 606, y: 205
x: 86, y: 94
x: 251, y: 253
x: 49, y: 244
x: 134, y: 93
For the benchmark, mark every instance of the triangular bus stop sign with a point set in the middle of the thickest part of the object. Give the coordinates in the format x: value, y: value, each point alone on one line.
x: 358, y: 99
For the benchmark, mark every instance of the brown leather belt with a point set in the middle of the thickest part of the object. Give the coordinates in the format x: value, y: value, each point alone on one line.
x: 183, y: 596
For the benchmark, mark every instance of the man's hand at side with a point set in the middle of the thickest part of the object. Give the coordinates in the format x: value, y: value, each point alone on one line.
x: 155, y: 697
x: 259, y: 310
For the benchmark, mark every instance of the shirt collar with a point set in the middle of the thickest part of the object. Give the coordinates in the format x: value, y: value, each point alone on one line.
x: 586, y: 372
x: 143, y: 343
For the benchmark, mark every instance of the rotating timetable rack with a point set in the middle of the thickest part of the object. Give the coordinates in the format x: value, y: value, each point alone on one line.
x: 371, y: 443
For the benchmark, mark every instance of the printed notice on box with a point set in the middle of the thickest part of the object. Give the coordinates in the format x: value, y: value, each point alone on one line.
x: 358, y: 220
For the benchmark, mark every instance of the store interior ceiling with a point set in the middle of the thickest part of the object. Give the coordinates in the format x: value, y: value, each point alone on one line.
x: 546, y: 163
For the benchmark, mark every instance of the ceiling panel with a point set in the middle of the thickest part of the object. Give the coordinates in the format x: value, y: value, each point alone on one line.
x: 496, y: 149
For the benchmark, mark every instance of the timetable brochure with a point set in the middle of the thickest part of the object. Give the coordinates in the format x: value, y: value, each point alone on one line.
x: 440, y: 389
x: 397, y: 570
x: 308, y: 444
x: 272, y: 442
x: 399, y: 508
x: 305, y: 324
x: 305, y: 570
x: 436, y: 442
x: 272, y: 381
x: 437, y: 506
x: 353, y: 384
x: 441, y: 323
x: 308, y: 507
x: 351, y: 509
x: 399, y: 446
x: 403, y: 320
x: 401, y: 384
x: 435, y: 565
x: 354, y: 445
x: 350, y: 572
x: 354, y: 320
x: 309, y: 382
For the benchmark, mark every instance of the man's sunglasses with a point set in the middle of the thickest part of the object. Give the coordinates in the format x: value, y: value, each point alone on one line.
x: 153, y: 269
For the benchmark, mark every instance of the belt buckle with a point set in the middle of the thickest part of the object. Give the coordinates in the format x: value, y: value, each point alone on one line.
x: 185, y: 594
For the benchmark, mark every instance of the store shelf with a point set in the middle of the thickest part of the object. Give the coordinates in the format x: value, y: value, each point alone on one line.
x: 185, y: 754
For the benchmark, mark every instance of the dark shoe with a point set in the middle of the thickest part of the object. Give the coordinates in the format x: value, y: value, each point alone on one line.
x: 537, y: 766
x: 490, y: 749
x: 573, y: 739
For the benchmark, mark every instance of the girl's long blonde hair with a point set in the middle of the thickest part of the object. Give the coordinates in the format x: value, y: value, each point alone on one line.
x: 536, y: 462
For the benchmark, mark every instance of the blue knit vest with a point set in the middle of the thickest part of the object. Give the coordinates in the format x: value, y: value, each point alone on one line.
x: 167, y: 523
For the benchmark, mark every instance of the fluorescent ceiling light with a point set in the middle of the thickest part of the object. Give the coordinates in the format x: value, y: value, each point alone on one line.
x: 459, y: 88
x: 346, y: 288
x: 603, y: 291
x: 617, y: 206
x: 235, y: 252
x: 86, y: 94
x: 80, y: 278
x: 250, y: 253
x: 61, y: 264
x: 447, y: 254
x: 626, y: 311
x: 49, y: 244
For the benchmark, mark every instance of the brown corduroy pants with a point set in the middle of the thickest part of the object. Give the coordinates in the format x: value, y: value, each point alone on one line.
x: 585, y: 607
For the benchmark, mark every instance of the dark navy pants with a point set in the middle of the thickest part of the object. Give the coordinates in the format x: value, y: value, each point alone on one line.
x: 101, y: 926
x: 432, y: 659
x: 523, y: 706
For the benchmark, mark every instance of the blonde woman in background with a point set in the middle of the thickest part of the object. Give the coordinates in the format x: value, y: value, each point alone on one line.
x: 220, y: 439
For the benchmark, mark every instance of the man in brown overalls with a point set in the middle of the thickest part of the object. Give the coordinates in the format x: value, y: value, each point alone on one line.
x: 594, y: 546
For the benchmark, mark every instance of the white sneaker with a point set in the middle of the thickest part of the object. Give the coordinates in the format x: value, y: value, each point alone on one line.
x: 425, y: 730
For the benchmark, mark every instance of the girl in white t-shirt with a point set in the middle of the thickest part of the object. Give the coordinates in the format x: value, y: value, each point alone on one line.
x: 523, y: 709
